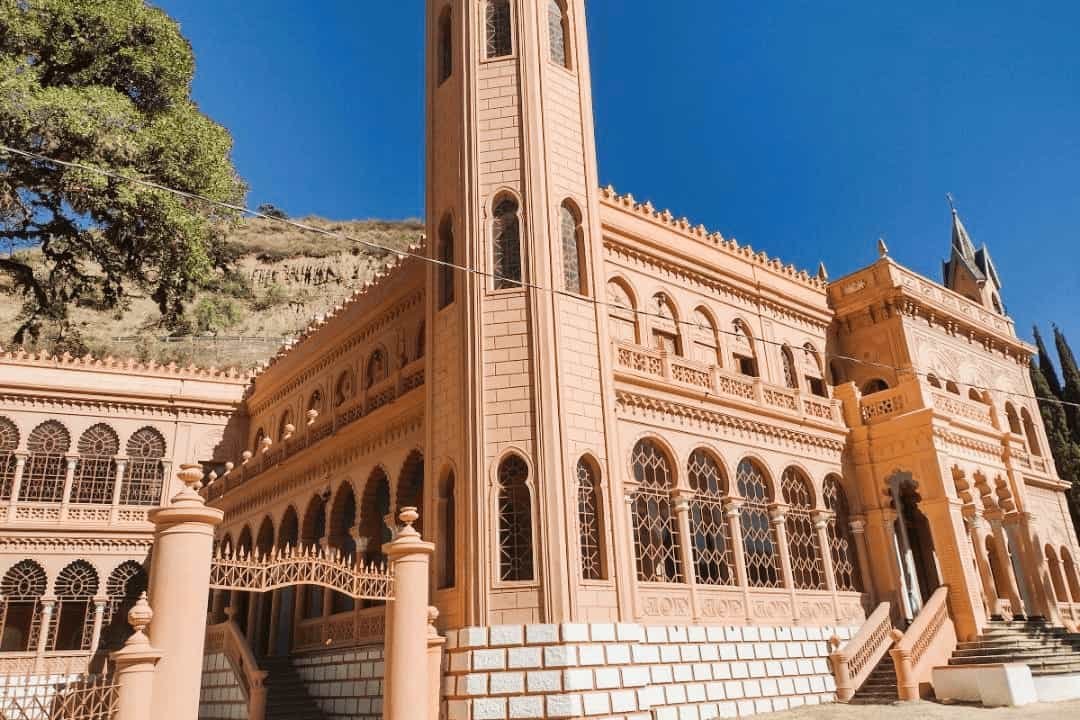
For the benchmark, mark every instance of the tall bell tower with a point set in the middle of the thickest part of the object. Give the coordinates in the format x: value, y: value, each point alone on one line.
x: 516, y: 410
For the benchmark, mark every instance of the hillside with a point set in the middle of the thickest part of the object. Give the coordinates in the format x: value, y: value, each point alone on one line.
x: 282, y: 278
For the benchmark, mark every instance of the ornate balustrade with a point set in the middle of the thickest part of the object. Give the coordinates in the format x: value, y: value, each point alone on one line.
x: 885, y: 405
x: 647, y: 362
x: 958, y: 407
x: 55, y: 513
x: 930, y: 641
x: 853, y: 663
x: 341, y: 629
x: 226, y: 638
x: 301, y: 566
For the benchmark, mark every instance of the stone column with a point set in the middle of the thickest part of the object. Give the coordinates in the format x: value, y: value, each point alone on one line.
x: 407, y: 646
x: 99, y: 618
x: 1038, y: 582
x: 686, y: 552
x: 45, y: 626
x: 435, y: 644
x: 16, y: 486
x: 1007, y: 564
x: 179, y: 578
x: 69, y: 479
x: 821, y: 524
x: 135, y: 665
x: 858, y: 533
x: 777, y: 516
x: 738, y: 551
x: 118, y: 484
x: 631, y: 536
x: 977, y: 530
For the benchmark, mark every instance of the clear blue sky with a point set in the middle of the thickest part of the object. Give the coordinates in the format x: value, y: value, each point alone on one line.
x: 806, y: 129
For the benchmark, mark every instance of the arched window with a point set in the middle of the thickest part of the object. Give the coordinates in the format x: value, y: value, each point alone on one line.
x: 260, y: 440
x: 410, y: 492
x: 1071, y: 574
x: 286, y: 427
x: 874, y: 386
x: 951, y: 386
x: 559, y: 32
x: 975, y: 395
x: 933, y: 381
x: 264, y: 540
x: 622, y: 311
x: 445, y: 271
x: 46, y: 466
x: 344, y: 389
x: 1013, y: 418
x: 1032, y: 434
x: 803, y: 547
x: 22, y: 588
x: 123, y: 588
x: 95, y: 472
x: 377, y: 368
x: 791, y: 377
x: 288, y: 535
x: 742, y: 349
x: 9, y: 443
x: 709, y: 530
x: 706, y: 342
x: 573, y: 249
x: 342, y: 522
x: 589, y: 529
x: 506, y: 243
x: 759, y: 541
x: 447, y: 533
x: 145, y: 471
x: 315, y: 402
x: 812, y: 372
x: 841, y: 541
x: 656, y: 535
x: 665, y: 325
x: 515, y: 521
x: 500, y: 39
x: 374, y: 507
x: 314, y: 529
x: 76, y: 586
x: 446, y: 45
x: 1061, y: 591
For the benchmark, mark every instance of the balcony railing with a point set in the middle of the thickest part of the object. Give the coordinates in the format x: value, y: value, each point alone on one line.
x: 683, y: 372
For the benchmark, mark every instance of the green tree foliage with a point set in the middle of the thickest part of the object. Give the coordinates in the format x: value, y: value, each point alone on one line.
x: 1070, y: 392
x: 214, y: 314
x: 106, y: 83
x: 1055, y: 415
x: 1047, y: 365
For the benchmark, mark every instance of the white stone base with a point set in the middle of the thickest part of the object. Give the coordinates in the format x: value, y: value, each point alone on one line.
x: 1055, y: 688
x: 346, y: 684
x: 631, y: 672
x: 999, y: 685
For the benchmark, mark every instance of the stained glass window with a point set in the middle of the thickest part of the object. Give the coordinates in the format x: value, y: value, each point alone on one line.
x: 500, y: 41
x: 656, y: 535
x: 515, y: 521
x: 9, y: 442
x: 145, y: 472
x: 95, y: 473
x: 572, y: 249
x: 506, y: 244
x: 759, y: 541
x: 592, y: 562
x: 841, y: 542
x: 558, y: 33
x: 806, y: 565
x: 708, y: 527
x: 46, y: 466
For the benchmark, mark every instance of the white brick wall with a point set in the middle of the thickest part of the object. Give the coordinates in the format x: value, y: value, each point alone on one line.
x: 221, y: 697
x: 347, y: 684
x: 629, y: 672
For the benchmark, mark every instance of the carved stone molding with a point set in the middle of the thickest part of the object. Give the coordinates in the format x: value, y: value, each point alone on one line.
x: 76, y: 545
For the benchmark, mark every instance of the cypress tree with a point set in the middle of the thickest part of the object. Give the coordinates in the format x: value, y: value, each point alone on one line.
x: 1071, y: 390
x: 1047, y: 365
x: 1065, y: 451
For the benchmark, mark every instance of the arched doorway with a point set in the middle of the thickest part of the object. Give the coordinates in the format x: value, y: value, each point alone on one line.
x: 913, y: 544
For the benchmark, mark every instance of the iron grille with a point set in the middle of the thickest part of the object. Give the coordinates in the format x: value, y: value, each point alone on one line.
x: 95, y: 472
x: 841, y: 542
x: 759, y: 541
x: 656, y: 535
x: 806, y: 565
x: 22, y: 588
x: 499, y: 37
x: 46, y: 467
x: 73, y: 619
x: 515, y: 521
x: 506, y: 246
x: 9, y: 442
x: 711, y: 534
x: 38, y: 697
x: 592, y: 564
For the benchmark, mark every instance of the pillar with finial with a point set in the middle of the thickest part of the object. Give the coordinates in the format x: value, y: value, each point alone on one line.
x: 135, y: 667
x: 179, y: 578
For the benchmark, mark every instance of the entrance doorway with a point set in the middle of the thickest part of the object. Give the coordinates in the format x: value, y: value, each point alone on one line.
x: 914, y: 546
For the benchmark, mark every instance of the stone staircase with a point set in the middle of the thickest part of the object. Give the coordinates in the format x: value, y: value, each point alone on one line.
x: 287, y: 697
x: 1046, y: 649
x: 881, y: 687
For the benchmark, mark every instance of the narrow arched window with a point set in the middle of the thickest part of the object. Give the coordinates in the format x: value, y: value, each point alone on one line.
x: 410, y: 490
x: 515, y: 521
x: 665, y: 325
x: 95, y: 472
x: 841, y: 541
x: 315, y: 402
x: 1032, y: 434
x: 952, y: 387
x: 559, y: 32
x: 377, y: 368
x: 446, y: 45
x: 874, y: 386
x: 706, y: 342
x: 656, y: 535
x: 123, y: 588
x: 500, y: 39
x: 709, y: 529
x: 374, y: 507
x: 445, y: 271
x: 286, y: 427
x: 812, y: 371
x: 22, y: 588
x: 9, y: 443
x: 1056, y: 576
x: 506, y: 244
x: 260, y: 440
x: 573, y: 249
x: 791, y: 377
x: 803, y: 547
x: 1013, y: 418
x: 343, y: 537
x: 743, y: 354
x: 589, y: 529
x: 73, y: 619
x: 447, y: 533
x: 46, y: 466
x: 1071, y: 574
x: 759, y: 539
x: 314, y: 529
x: 622, y: 312
x: 933, y: 381
x: 344, y: 389
x: 145, y: 472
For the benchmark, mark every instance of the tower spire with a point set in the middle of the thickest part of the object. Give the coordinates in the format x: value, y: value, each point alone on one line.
x: 961, y: 240
x: 968, y: 271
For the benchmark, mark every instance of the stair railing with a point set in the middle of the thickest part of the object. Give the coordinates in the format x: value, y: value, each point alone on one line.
x: 929, y: 642
x: 235, y: 646
x: 853, y: 663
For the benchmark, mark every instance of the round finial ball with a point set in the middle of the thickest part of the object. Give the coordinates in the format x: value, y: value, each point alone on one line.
x: 190, y: 475
x: 140, y: 615
x: 408, y: 516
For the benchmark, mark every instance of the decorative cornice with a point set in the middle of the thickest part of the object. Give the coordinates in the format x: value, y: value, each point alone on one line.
x: 986, y: 449
x: 76, y: 545
x: 126, y: 366
x: 636, y: 404
x: 35, y: 402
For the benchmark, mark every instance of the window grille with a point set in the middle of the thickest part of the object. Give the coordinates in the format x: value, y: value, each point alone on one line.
x: 123, y: 588
x: 76, y: 585
x: 506, y: 234
x: 759, y: 540
x: 95, y: 472
x: 841, y: 541
x: 9, y: 443
x: 711, y: 535
x: 572, y: 249
x: 46, y: 466
x: 22, y: 588
x: 592, y: 561
x: 791, y: 380
x: 376, y: 368
x: 446, y: 46
x: 515, y: 521
x: 446, y: 256
x: 656, y: 534
x: 145, y: 472
x: 558, y: 33
x: 500, y: 41
x: 806, y: 566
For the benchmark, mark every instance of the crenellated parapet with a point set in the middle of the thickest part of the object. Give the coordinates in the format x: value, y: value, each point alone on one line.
x: 126, y: 366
